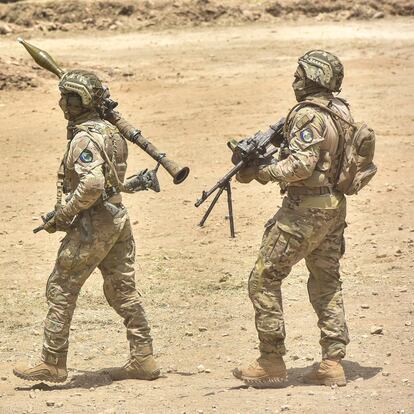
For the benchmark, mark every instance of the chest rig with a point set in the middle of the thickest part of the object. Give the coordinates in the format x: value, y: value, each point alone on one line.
x: 113, y: 148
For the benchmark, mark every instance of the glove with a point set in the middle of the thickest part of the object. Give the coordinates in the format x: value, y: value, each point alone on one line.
x: 144, y: 180
x: 111, y: 116
x: 235, y: 158
x: 255, y: 172
x: 262, y: 175
x: 246, y: 174
x: 50, y: 226
x: 61, y: 221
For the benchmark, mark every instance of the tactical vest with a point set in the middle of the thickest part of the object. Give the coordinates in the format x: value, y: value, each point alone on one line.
x: 324, y: 174
x: 113, y: 147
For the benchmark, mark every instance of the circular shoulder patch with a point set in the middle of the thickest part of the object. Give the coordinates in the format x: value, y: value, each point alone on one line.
x: 306, y: 135
x: 86, y: 156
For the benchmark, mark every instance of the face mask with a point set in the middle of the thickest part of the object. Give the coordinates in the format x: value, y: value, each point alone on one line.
x: 299, y: 84
x: 299, y: 87
x: 304, y: 87
x: 71, y: 105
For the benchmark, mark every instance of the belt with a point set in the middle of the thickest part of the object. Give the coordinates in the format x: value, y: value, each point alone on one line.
x: 113, y: 208
x: 298, y: 191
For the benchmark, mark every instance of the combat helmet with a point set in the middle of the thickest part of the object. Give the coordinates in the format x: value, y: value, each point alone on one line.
x: 85, y: 84
x: 323, y: 68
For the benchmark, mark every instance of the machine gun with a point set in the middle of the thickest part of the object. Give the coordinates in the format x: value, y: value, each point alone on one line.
x: 258, y: 149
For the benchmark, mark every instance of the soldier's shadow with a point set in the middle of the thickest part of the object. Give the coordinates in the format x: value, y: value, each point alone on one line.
x: 353, y: 371
x: 80, y: 379
x: 101, y: 378
x: 86, y: 380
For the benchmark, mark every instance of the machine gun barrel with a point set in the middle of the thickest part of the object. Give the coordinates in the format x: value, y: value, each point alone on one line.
x: 221, y: 182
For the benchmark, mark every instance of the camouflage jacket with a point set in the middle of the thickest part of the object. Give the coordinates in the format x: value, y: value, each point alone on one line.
x: 86, y: 174
x: 312, y: 140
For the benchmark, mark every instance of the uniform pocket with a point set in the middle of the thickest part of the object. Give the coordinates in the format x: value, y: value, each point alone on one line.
x: 295, y: 225
x: 293, y: 243
x: 53, y: 326
x: 70, y: 254
x: 324, y: 162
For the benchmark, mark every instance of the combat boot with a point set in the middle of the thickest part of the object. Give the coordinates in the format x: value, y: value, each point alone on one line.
x: 137, y: 367
x: 45, y: 371
x: 268, y: 371
x: 328, y: 372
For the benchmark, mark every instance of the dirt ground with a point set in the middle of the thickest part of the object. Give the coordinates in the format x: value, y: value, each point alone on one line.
x: 190, y: 90
x: 19, y: 16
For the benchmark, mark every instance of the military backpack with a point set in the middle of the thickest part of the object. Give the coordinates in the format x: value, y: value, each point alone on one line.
x: 355, y: 167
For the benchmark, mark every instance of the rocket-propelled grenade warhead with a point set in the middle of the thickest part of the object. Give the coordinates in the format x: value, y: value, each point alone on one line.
x: 42, y: 58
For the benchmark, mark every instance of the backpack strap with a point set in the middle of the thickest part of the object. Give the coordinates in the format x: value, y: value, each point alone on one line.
x: 331, y: 111
x: 105, y: 156
x: 342, y: 141
x: 61, y: 178
x: 59, y: 183
x: 294, y: 108
x: 340, y: 153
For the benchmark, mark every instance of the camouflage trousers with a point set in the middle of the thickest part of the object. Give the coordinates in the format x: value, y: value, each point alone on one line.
x: 296, y: 233
x: 101, y: 238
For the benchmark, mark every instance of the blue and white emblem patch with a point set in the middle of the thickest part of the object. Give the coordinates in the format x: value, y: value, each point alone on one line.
x: 306, y: 135
x: 86, y: 156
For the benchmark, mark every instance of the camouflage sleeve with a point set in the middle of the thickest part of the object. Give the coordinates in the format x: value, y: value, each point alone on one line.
x: 305, y: 137
x: 86, y: 160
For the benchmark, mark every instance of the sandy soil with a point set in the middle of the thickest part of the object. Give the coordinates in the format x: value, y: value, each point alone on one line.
x: 190, y: 91
x: 126, y: 15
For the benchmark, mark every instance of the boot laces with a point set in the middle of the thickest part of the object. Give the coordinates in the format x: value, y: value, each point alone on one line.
x: 326, y: 365
x: 128, y: 364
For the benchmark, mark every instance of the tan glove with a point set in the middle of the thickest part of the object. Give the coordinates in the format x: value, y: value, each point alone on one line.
x: 50, y: 226
x: 58, y: 223
x: 246, y: 174
x: 112, y: 116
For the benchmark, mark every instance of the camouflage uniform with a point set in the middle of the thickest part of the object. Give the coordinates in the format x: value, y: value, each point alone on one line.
x: 100, y: 237
x: 310, y: 225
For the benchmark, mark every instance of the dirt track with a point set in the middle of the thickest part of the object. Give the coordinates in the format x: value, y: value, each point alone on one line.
x: 190, y: 91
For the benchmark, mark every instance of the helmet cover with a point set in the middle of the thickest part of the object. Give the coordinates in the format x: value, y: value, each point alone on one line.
x: 85, y: 84
x: 323, y: 68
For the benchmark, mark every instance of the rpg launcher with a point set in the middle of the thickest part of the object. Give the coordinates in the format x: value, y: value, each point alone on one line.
x: 257, y: 150
x: 132, y: 134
